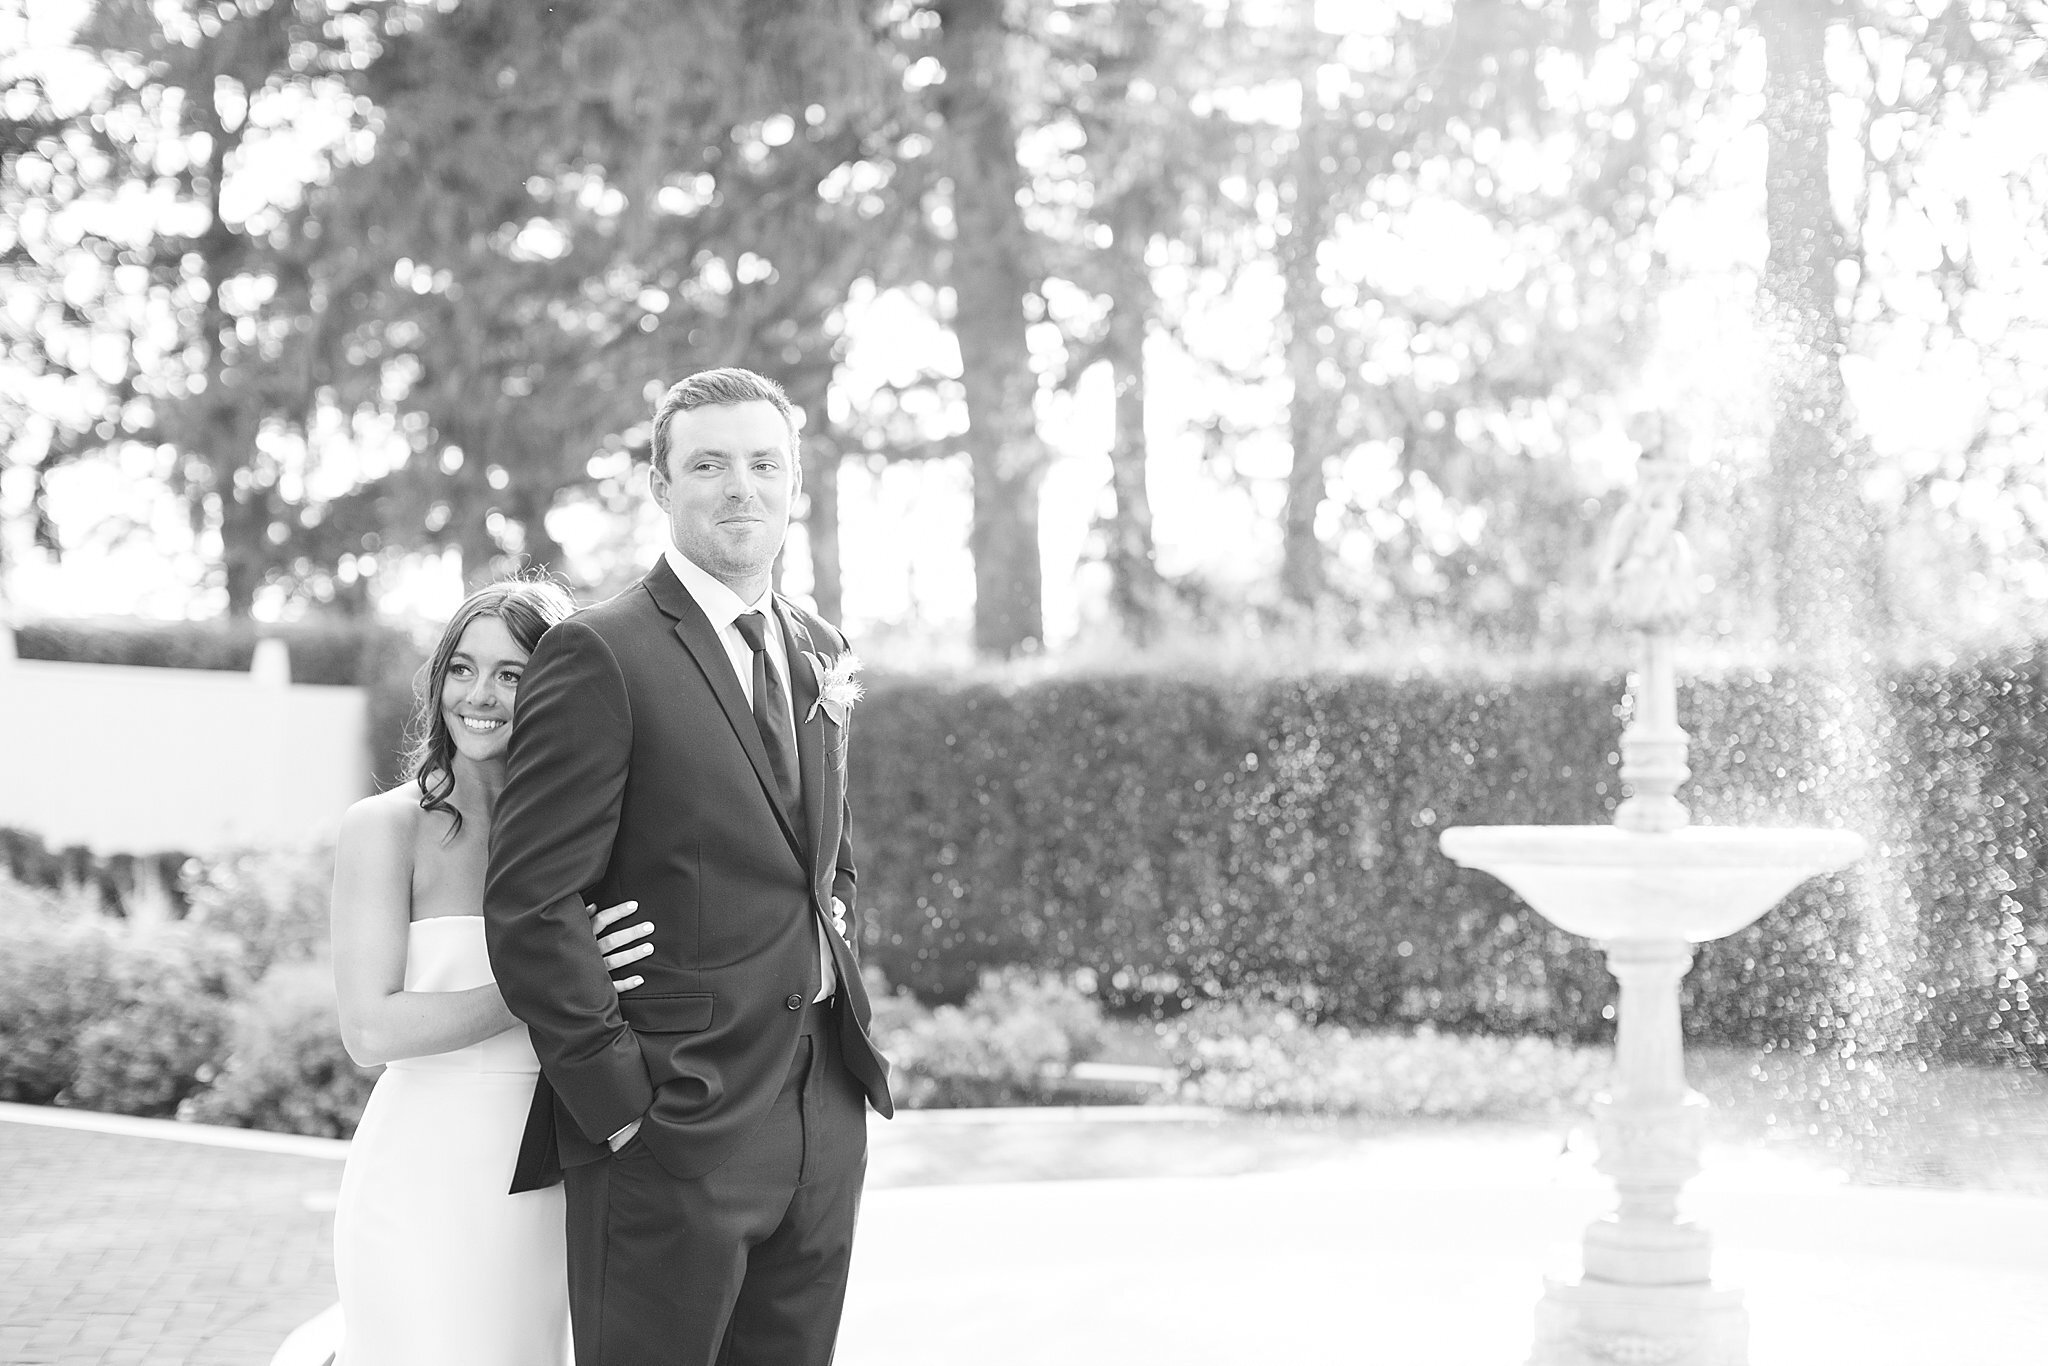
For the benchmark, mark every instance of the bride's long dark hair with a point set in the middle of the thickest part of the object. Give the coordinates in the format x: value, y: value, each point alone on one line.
x: 527, y: 607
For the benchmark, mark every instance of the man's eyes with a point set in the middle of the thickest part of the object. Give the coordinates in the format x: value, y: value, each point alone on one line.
x: 767, y: 464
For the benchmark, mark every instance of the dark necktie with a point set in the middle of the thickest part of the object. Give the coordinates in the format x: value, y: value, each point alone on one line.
x: 771, y: 712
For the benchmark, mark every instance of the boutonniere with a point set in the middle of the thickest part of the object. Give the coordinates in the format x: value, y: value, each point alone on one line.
x: 838, y: 689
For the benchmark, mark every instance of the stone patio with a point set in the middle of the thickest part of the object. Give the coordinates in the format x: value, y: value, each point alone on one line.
x: 133, y: 1241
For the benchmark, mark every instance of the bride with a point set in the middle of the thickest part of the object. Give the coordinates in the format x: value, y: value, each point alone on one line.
x: 435, y: 1261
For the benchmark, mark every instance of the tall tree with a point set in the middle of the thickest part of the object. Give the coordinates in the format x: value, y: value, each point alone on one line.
x: 1310, y: 204
x: 1449, y: 391
x: 1946, y: 262
x: 992, y: 267
x: 1826, y: 551
x: 594, y: 223
x: 1125, y: 77
x: 197, y: 90
x: 57, y: 288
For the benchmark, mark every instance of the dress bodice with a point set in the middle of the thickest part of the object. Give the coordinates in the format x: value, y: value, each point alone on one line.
x: 446, y: 953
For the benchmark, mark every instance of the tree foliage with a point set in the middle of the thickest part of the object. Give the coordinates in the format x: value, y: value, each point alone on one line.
x: 357, y: 283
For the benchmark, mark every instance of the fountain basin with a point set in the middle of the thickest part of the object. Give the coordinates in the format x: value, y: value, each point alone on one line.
x: 1615, y: 885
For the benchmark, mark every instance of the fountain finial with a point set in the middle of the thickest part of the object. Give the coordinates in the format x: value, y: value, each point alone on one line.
x: 1647, y: 566
x: 1647, y: 570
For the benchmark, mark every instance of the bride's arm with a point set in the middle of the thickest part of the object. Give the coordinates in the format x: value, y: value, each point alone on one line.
x: 371, y: 911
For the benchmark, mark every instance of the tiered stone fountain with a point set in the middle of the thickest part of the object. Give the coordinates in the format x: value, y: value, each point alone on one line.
x: 1648, y: 888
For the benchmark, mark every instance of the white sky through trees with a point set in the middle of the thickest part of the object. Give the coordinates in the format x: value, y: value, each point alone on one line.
x: 1919, y: 396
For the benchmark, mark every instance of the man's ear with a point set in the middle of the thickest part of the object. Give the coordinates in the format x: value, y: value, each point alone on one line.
x: 657, y: 484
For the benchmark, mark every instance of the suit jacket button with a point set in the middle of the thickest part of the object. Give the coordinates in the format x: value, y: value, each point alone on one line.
x: 795, y: 1002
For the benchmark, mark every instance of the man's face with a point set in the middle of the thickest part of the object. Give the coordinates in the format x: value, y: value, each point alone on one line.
x: 727, y: 491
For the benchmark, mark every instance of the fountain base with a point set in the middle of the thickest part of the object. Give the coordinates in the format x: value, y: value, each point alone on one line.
x: 1637, y: 1254
x: 1600, y: 1323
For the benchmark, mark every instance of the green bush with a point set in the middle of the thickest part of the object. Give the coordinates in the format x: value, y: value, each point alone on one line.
x: 166, y: 999
x: 287, y: 1070
x: 1009, y: 1044
x: 51, y: 968
x: 272, y: 902
x: 1266, y: 1060
x: 98, y: 1015
x: 1194, y: 839
x: 144, y: 1059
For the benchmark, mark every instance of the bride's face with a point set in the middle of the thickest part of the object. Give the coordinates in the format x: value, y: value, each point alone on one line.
x: 476, y: 696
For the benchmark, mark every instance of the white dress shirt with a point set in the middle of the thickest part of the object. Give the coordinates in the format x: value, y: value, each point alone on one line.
x: 724, y: 607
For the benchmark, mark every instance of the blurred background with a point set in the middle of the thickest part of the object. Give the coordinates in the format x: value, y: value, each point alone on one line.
x: 1214, y: 410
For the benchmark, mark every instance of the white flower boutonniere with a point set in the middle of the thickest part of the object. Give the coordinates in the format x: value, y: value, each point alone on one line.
x: 838, y: 689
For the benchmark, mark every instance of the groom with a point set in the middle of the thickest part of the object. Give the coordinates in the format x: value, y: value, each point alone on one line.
x: 672, y: 746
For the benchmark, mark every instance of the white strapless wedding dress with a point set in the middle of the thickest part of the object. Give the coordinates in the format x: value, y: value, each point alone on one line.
x: 437, y: 1265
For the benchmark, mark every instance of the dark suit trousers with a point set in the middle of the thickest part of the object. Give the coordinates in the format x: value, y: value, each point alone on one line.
x: 744, y: 1266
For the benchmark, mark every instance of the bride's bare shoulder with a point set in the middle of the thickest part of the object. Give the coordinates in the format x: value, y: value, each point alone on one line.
x: 384, y: 818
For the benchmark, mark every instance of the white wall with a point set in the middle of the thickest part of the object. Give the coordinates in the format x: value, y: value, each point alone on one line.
x: 133, y: 760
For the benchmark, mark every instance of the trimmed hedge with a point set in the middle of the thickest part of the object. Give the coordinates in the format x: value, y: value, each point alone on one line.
x: 1196, y: 839
x: 76, y: 872
x: 1275, y: 841
x: 332, y: 651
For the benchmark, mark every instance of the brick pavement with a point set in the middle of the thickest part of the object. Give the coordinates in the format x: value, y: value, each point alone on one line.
x: 126, y: 1250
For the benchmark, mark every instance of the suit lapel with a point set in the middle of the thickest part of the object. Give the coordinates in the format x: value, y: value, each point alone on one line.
x: 810, y: 733
x: 701, y: 641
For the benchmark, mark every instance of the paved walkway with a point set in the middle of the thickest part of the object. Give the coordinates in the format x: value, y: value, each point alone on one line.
x: 1422, y: 1251
x: 127, y: 1249
x: 1410, y: 1249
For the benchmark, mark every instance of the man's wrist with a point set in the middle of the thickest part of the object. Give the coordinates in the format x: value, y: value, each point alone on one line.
x: 624, y: 1135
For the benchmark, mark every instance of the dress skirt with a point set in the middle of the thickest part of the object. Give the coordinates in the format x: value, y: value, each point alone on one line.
x: 436, y: 1263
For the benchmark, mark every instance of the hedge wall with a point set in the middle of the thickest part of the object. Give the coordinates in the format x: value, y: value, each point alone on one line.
x: 1188, y: 838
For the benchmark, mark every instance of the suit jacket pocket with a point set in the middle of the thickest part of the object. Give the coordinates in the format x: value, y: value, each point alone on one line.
x: 688, y: 1014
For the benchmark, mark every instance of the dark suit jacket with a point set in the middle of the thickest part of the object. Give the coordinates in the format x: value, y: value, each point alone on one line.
x: 637, y: 772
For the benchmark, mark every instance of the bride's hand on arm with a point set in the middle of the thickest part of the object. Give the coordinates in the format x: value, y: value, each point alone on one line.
x: 621, y: 947
x: 371, y: 916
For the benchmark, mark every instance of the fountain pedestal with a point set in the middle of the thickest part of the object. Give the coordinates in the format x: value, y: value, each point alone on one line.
x: 1646, y: 1294
x: 1647, y: 889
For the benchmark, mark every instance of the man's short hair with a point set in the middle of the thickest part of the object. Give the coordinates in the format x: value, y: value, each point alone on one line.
x: 715, y: 389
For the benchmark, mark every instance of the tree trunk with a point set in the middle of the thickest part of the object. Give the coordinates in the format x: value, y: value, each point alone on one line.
x: 1135, y: 587
x: 244, y: 523
x: 809, y: 388
x: 1825, y: 554
x: 229, y: 440
x: 1304, y: 576
x: 530, y: 509
x: 821, y: 523
x: 478, y: 549
x: 990, y: 274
